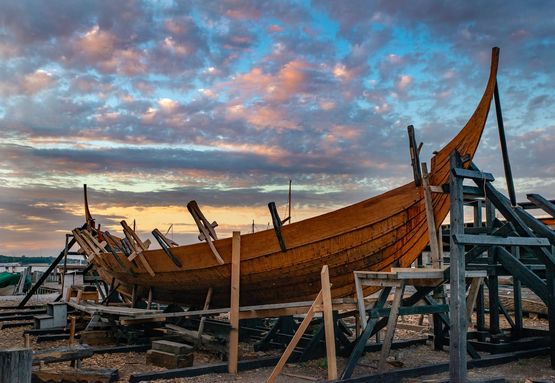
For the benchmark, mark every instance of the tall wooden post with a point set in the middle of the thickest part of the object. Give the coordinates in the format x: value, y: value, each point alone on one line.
x: 16, y: 365
x: 457, y: 303
x: 328, y: 323
x: 234, y: 307
x: 493, y: 283
x: 517, y: 295
x: 550, y: 282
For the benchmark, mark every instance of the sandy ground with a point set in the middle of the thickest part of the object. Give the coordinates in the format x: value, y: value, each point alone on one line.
x: 526, y: 370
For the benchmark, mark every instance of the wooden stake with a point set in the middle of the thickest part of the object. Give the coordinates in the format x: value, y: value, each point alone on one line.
x: 27, y: 340
x: 149, y: 299
x: 328, y: 323
x: 234, y: 307
x: 203, y: 319
x: 71, y: 330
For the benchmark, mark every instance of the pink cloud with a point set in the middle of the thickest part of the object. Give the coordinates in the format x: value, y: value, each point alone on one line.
x: 403, y: 82
x: 274, y: 28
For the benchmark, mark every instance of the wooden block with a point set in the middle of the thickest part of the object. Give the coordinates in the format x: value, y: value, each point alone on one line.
x: 170, y: 347
x: 165, y: 359
x: 96, y: 337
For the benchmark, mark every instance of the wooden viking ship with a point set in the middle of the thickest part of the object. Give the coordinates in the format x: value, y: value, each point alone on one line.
x: 384, y: 231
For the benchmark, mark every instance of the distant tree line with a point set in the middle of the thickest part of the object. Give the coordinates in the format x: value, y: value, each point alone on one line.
x: 25, y: 260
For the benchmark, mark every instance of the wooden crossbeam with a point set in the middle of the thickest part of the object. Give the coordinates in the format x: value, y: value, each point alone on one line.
x: 206, y: 229
x: 138, y: 247
x: 85, y: 247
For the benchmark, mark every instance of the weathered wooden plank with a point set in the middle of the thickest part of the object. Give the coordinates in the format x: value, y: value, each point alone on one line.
x: 15, y: 365
x: 457, y: 303
x: 472, y: 174
x: 492, y: 240
x: 62, y: 354
x: 70, y: 374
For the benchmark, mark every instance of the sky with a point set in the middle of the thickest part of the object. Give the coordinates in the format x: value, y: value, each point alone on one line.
x: 156, y: 103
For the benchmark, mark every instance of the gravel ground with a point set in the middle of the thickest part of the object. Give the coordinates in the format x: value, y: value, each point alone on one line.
x: 526, y: 370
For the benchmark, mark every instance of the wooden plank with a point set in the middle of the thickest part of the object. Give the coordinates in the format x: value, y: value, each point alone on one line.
x: 15, y: 365
x: 430, y: 218
x: 472, y: 174
x: 328, y: 323
x: 69, y: 374
x: 457, y: 303
x: 539, y: 202
x: 298, y: 334
x: 62, y: 354
x: 492, y: 240
x: 235, y: 293
x: 391, y: 323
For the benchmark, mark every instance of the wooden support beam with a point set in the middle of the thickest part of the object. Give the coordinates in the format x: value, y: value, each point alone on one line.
x: 517, y: 295
x: 206, y: 229
x: 550, y: 282
x: 43, y: 277
x: 206, y: 307
x: 138, y: 247
x: 457, y: 303
x: 298, y: 334
x: 328, y: 323
x: 276, y: 221
x: 234, y: 305
x: 414, y: 156
x: 542, y: 203
x: 472, y: 174
x: 523, y: 273
x: 492, y: 240
x: 391, y: 323
x: 364, y: 336
x: 430, y: 219
x: 504, y: 206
